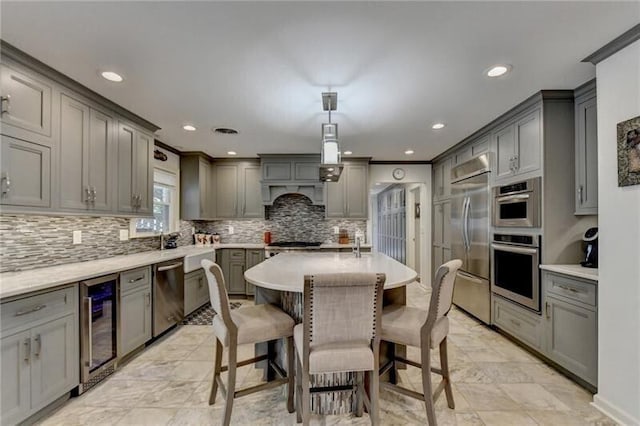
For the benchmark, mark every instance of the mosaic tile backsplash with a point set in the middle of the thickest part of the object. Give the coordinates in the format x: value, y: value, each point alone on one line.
x: 291, y: 218
x: 28, y: 242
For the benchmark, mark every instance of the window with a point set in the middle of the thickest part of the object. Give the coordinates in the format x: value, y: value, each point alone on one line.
x: 165, y: 207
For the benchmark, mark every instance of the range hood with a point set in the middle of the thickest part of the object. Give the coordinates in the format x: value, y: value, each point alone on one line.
x: 291, y: 174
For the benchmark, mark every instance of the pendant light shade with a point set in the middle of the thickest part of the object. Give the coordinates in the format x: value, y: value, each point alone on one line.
x: 330, y: 167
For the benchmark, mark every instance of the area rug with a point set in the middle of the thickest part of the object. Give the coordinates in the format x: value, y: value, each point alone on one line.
x: 204, y: 315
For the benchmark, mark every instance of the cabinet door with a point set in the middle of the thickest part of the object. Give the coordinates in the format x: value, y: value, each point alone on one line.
x: 55, y: 364
x: 143, y: 172
x: 252, y: 192
x: 463, y: 155
x: 100, y: 150
x: 253, y: 258
x: 446, y: 178
x: 572, y: 338
x: 135, y: 320
x: 15, y: 376
x: 438, y: 180
x: 587, y: 157
x: 505, y: 151
x: 481, y: 146
x: 74, y: 161
x: 335, y: 198
x: 446, y: 224
x: 236, y: 277
x: 226, y: 184
x: 204, y: 177
x: 26, y: 102
x: 529, y: 143
x: 25, y: 173
x: 126, y: 166
x: 195, y: 287
x: 438, y: 224
x: 357, y: 190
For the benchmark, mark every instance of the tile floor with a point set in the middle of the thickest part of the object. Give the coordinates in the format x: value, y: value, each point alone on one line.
x: 495, y: 382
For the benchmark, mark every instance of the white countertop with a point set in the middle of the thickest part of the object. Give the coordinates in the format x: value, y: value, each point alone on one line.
x: 22, y: 282
x: 236, y: 245
x: 286, y: 271
x: 573, y: 270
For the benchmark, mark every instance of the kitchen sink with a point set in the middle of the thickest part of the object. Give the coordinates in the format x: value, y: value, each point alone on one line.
x: 192, y: 261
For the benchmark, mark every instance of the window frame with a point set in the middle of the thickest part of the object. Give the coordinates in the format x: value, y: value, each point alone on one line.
x: 167, y: 178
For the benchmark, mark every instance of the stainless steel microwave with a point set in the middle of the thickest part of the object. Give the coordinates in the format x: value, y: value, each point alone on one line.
x: 517, y: 205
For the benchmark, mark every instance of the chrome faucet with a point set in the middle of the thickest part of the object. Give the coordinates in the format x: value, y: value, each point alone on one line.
x: 162, y: 237
x: 356, y: 248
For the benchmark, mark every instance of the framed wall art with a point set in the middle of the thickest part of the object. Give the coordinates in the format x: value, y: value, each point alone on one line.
x: 629, y: 152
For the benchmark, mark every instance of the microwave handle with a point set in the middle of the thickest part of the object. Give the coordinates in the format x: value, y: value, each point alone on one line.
x: 513, y: 197
x: 514, y: 249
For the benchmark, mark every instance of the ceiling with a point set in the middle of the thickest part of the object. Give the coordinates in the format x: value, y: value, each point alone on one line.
x: 261, y: 67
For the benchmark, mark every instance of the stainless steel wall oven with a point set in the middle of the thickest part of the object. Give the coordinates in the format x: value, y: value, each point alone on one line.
x: 516, y: 269
x: 517, y: 204
x: 98, y: 329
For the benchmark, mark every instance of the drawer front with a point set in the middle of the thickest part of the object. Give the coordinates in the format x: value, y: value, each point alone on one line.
x: 521, y: 324
x: 571, y: 288
x: 134, y: 279
x: 36, y: 308
x: 236, y: 254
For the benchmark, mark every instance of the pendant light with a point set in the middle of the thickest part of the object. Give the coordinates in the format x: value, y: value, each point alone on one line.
x: 330, y: 166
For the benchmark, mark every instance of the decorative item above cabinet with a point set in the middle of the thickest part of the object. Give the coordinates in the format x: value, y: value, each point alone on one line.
x: 66, y: 149
x: 586, y: 151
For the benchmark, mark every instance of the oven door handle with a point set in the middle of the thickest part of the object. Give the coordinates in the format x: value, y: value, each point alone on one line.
x: 514, y: 249
x: 515, y: 197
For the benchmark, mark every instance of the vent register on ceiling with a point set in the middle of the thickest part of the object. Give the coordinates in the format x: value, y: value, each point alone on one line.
x: 304, y: 173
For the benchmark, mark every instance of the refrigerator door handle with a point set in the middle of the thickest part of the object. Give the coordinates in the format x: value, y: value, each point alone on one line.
x: 465, y: 213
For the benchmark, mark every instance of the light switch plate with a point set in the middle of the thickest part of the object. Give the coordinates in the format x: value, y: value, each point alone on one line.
x: 231, y: 230
x: 124, y: 235
x: 336, y: 230
x: 77, y: 237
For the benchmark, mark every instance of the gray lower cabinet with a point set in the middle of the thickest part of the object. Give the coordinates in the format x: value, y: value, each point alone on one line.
x: 252, y: 258
x: 571, y: 324
x: 39, y: 359
x: 521, y: 323
x: 349, y: 197
x: 135, y: 320
x: 586, y: 149
x: 233, y: 263
x: 135, y: 171
x: 196, y: 291
x: 25, y: 173
x: 86, y: 157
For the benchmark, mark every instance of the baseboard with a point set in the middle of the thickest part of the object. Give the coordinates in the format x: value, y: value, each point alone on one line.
x: 618, y: 415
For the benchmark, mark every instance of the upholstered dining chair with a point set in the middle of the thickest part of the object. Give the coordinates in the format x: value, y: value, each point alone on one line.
x: 253, y: 324
x: 339, y: 333
x: 427, y: 330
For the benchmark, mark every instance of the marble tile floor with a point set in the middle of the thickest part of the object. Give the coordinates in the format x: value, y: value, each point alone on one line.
x: 495, y: 382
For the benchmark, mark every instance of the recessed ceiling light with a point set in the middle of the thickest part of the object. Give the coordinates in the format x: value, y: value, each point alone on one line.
x: 112, y: 76
x: 225, y: 130
x: 189, y: 128
x: 348, y: 153
x: 438, y: 126
x: 232, y: 153
x: 409, y: 152
x: 498, y: 70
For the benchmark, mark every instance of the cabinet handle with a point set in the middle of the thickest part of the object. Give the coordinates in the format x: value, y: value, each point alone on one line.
x: 6, y: 184
x: 199, y: 282
x: 148, y: 299
x: 6, y: 103
x: 38, y: 346
x: 27, y: 349
x: 580, y: 194
x: 572, y: 290
x: 133, y: 280
x: 516, y: 164
x: 28, y: 311
x: 94, y: 192
x: 87, y: 194
x: 546, y: 310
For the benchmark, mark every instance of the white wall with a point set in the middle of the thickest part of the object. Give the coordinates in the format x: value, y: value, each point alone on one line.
x: 618, y: 86
x: 414, y: 174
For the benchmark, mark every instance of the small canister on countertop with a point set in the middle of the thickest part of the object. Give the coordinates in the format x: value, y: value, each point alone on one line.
x: 267, y: 238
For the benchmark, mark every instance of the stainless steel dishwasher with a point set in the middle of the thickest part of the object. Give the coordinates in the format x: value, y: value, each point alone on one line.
x: 168, y: 295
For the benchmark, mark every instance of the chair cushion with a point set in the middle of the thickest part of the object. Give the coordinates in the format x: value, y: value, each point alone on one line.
x: 402, y: 324
x: 335, y: 357
x: 255, y: 324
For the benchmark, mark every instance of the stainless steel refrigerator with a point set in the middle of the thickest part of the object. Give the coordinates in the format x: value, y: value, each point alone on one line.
x: 470, y: 221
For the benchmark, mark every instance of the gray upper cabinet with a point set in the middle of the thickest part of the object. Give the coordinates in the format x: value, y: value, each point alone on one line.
x: 349, y: 197
x: 250, y: 190
x: 442, y: 179
x: 135, y: 171
x: 25, y: 173
x: 472, y: 149
x: 86, y: 157
x: 26, y: 105
x: 586, y: 149
x: 518, y: 146
x: 226, y: 190
x: 196, y: 188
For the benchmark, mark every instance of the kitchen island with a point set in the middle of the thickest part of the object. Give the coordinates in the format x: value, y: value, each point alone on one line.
x: 280, y: 281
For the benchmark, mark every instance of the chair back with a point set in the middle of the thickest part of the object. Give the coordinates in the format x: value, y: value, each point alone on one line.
x: 442, y: 291
x: 342, y: 307
x: 217, y: 291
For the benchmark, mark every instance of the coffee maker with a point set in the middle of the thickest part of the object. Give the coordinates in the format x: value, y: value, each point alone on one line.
x: 591, y: 248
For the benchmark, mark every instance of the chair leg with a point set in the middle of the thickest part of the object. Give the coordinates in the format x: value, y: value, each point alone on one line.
x: 306, y: 398
x: 393, y: 373
x: 359, y: 378
x: 426, y: 383
x: 231, y: 383
x: 298, y: 391
x: 374, y: 398
x: 444, y: 365
x: 290, y: 374
x: 217, y: 365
